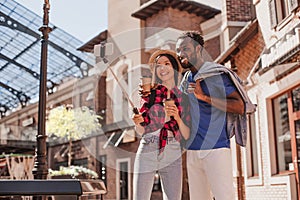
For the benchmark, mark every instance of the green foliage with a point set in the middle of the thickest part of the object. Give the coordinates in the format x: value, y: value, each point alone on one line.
x: 72, y: 123
x: 3, y: 155
x: 74, y: 171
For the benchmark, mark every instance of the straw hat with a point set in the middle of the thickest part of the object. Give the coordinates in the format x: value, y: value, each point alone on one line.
x: 160, y: 52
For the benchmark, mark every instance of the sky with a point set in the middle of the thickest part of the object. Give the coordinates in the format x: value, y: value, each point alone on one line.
x: 213, y: 3
x: 82, y: 19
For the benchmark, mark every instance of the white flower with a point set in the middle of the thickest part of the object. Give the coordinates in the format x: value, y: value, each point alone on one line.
x: 72, y: 123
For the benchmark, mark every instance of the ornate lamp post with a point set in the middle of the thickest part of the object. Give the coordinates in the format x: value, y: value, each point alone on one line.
x: 41, y: 168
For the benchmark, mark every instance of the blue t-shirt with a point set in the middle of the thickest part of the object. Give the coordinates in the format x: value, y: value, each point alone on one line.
x: 208, y: 122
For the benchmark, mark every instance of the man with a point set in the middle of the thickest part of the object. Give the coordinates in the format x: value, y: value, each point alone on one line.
x: 213, y: 95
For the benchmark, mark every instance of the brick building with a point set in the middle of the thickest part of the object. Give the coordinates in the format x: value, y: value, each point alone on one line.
x: 258, y: 39
x: 265, y: 54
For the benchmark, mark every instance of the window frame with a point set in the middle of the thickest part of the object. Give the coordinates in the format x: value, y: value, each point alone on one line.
x: 280, y: 11
x: 293, y: 116
x: 253, y: 179
x: 118, y: 189
x: 253, y: 152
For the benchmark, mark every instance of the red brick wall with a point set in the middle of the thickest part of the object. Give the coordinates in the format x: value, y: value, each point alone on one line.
x: 182, y: 20
x: 100, y: 98
x: 248, y: 55
x: 239, y: 10
x: 212, y: 46
x: 124, y: 150
x: 174, y: 18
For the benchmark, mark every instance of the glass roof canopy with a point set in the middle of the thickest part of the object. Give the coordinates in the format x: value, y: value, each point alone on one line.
x: 20, y: 56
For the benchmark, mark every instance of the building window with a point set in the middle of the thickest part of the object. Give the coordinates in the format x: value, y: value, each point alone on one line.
x: 80, y: 162
x: 252, y: 154
x: 280, y: 9
x: 123, y: 179
x: 296, y: 99
x: 285, y: 140
x: 297, y: 130
x: 282, y: 133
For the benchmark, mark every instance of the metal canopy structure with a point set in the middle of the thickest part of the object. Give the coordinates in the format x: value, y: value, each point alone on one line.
x: 20, y: 56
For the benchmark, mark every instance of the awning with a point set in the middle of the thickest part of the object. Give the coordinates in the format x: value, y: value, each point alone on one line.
x: 154, y: 6
x: 118, y: 137
x: 20, y: 55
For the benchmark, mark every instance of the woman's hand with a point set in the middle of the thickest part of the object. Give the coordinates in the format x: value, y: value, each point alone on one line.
x: 172, y: 110
x: 137, y: 119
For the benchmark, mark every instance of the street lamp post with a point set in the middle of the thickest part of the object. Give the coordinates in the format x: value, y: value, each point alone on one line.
x: 40, y: 170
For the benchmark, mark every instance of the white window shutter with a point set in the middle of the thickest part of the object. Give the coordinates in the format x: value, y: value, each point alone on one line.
x: 273, y: 16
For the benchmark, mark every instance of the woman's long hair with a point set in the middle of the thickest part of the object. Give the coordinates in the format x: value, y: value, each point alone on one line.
x: 174, y: 65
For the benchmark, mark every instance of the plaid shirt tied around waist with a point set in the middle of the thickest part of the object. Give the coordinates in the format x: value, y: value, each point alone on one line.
x: 154, y: 115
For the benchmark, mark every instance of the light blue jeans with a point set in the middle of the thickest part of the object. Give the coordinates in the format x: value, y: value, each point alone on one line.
x: 168, y: 164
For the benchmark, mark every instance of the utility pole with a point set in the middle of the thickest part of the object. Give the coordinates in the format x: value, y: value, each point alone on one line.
x: 40, y: 170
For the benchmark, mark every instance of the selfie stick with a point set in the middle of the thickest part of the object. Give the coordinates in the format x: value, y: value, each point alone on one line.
x: 135, y: 110
x: 102, y: 52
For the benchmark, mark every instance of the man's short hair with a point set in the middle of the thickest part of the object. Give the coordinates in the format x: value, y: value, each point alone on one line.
x: 194, y: 35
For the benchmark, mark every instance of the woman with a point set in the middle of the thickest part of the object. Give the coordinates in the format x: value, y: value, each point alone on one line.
x: 162, y: 128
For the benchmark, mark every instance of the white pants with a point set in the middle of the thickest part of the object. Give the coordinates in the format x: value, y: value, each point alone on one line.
x: 210, y: 174
x: 168, y: 165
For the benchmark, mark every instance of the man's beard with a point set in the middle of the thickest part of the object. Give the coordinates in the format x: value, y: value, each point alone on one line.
x: 188, y: 63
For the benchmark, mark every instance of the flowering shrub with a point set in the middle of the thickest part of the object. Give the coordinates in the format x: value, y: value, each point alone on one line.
x: 72, y: 123
x: 74, y: 172
x: 66, y: 122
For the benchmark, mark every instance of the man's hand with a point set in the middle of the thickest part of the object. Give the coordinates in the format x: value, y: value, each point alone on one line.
x: 191, y: 87
x: 233, y: 103
x: 198, y: 92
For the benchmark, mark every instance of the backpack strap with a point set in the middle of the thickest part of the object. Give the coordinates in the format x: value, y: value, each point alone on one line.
x: 184, y: 82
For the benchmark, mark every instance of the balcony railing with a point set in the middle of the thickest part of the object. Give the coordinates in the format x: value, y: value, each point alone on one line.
x: 282, y: 49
